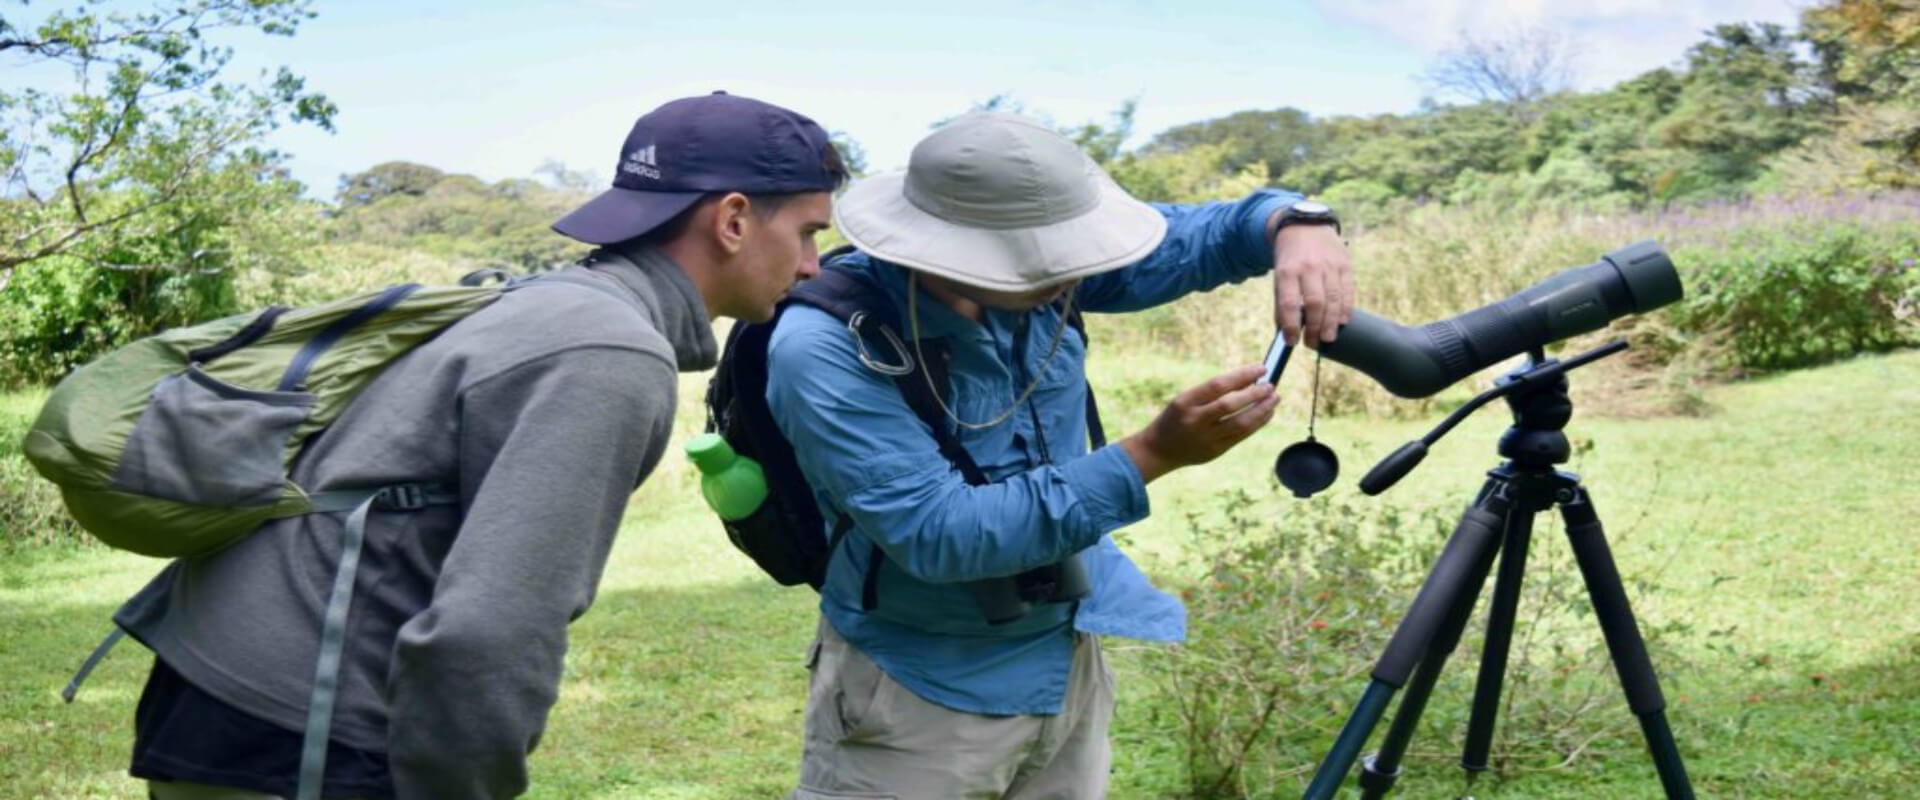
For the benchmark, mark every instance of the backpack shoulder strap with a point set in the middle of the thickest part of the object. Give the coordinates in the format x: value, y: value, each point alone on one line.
x: 843, y: 293
x: 918, y: 389
x: 853, y: 299
x: 1096, y: 430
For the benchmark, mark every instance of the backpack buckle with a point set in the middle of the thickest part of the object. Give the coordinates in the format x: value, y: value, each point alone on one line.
x: 400, y: 497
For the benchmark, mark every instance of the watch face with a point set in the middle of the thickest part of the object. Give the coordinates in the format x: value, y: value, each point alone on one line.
x: 1311, y: 207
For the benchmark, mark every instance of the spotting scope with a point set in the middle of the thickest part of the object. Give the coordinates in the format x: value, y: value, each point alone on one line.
x: 1418, y: 361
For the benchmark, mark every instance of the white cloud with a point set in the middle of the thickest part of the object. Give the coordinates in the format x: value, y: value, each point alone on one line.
x: 1616, y: 39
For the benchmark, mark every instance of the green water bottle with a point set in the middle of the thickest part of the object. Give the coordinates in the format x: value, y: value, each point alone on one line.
x: 733, y: 484
x: 735, y: 487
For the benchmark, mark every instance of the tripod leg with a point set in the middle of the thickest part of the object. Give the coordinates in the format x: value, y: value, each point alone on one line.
x: 1493, y: 657
x: 1624, y: 644
x: 1464, y: 562
x: 1379, y: 771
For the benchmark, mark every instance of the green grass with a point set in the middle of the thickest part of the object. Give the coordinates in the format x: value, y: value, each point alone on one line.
x: 1780, y: 528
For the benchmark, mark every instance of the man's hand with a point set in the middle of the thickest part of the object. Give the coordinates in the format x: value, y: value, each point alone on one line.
x: 1312, y: 273
x: 1203, y: 422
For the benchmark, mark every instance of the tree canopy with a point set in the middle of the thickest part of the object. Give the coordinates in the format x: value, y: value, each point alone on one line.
x: 1752, y: 107
x: 133, y: 181
x: 142, y: 141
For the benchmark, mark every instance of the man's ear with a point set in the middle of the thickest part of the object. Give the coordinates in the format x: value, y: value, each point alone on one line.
x: 730, y: 220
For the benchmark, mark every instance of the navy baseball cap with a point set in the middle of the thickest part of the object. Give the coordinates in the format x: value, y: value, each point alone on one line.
x: 694, y: 146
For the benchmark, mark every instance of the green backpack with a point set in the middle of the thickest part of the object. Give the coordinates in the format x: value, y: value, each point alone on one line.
x: 180, y: 444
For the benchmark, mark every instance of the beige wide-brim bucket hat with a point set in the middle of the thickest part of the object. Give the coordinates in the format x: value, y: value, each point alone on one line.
x: 1000, y: 202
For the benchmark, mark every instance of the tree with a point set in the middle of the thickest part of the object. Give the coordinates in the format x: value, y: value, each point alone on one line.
x: 1746, y: 96
x: 142, y: 129
x: 852, y: 155
x: 132, y: 181
x: 390, y: 178
x: 1867, y: 55
x: 559, y: 176
x: 1104, y: 143
x: 1418, y: 155
x: 1281, y: 138
x: 419, y: 209
x: 1515, y: 69
x: 1193, y: 175
x: 1866, y: 49
x: 1610, y: 129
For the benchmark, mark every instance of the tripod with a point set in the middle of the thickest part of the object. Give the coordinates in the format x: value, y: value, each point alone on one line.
x: 1500, y: 520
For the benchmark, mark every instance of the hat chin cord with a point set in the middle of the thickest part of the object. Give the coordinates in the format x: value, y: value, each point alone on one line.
x: 913, y: 325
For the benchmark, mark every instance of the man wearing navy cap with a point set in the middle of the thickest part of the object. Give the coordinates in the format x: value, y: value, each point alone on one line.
x: 541, y: 413
x: 697, y: 178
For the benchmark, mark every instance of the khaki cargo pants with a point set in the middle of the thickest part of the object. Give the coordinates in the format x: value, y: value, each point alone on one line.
x: 870, y: 738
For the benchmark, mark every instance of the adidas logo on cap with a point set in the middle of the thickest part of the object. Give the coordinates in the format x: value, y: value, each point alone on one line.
x: 641, y: 162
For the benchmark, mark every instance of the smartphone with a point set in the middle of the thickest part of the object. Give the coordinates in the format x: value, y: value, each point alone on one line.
x: 1277, y: 355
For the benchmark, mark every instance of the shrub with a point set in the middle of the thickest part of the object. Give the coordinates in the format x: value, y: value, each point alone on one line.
x: 177, y: 268
x: 60, y: 313
x: 1283, y: 624
x: 1363, y: 203
x: 1288, y: 617
x: 1804, y: 294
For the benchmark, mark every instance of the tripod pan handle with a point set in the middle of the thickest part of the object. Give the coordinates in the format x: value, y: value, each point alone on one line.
x: 1394, y: 467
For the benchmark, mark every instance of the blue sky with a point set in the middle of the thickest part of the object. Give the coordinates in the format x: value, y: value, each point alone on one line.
x: 495, y: 88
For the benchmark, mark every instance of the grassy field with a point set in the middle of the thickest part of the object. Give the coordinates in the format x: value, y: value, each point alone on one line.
x: 1781, y: 528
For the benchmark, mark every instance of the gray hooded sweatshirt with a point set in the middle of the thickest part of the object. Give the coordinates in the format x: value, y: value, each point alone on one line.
x: 546, y: 409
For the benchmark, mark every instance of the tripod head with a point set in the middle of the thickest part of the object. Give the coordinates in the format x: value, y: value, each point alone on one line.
x: 1537, y: 394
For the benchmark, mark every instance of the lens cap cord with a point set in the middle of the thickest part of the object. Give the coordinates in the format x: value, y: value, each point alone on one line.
x: 1309, y: 466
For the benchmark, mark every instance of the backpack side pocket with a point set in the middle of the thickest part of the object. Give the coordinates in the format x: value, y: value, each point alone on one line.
x: 210, y: 443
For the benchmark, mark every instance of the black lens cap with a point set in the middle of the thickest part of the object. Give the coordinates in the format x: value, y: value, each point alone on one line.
x: 1306, y: 467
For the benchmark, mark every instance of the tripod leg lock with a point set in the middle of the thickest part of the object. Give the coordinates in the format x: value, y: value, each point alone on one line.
x: 1374, y: 782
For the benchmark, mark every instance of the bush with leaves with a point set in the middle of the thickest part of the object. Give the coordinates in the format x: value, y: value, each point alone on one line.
x: 63, y: 310
x: 1806, y: 293
x: 1296, y: 604
x: 1283, y: 625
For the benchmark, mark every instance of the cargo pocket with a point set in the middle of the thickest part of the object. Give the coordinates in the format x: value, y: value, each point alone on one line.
x: 206, y: 442
x: 858, y: 684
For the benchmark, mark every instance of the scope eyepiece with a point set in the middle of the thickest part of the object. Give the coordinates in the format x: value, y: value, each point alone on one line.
x: 1651, y: 279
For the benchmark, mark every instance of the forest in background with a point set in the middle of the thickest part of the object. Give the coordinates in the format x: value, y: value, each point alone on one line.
x: 146, y: 199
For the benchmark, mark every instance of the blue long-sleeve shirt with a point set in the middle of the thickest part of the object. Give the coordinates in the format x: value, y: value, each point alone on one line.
x: 867, y: 455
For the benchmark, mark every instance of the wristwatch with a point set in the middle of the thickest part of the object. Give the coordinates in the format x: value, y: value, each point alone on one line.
x: 1307, y: 212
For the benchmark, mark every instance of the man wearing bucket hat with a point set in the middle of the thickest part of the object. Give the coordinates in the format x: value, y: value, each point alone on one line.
x: 541, y: 413
x: 998, y: 232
